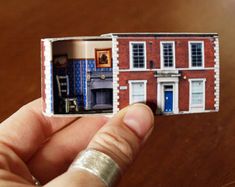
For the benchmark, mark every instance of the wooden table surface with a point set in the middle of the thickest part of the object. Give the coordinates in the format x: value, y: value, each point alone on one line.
x: 185, y: 150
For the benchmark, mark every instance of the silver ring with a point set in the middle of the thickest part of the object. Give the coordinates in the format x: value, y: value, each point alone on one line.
x: 36, y: 181
x: 98, y: 164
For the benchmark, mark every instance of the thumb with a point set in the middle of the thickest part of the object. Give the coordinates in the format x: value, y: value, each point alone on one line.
x: 121, y: 139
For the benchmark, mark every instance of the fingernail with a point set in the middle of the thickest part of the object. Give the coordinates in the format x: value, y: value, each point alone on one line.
x: 139, y: 118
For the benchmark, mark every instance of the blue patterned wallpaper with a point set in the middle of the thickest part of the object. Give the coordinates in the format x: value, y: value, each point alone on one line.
x: 77, y: 71
x: 91, y: 67
x: 84, y: 81
x: 76, y: 79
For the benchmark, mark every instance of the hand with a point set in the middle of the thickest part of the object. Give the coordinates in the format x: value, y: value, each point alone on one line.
x: 33, y: 144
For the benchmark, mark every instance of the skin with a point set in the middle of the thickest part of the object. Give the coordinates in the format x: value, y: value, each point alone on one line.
x: 33, y: 144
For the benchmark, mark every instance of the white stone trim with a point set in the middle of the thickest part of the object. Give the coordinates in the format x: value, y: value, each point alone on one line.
x: 217, y: 73
x: 130, y: 34
x: 115, y: 74
x: 48, y: 72
x: 191, y: 112
x: 162, y: 55
x: 196, y: 108
x: 180, y: 69
x: 190, y: 55
x: 161, y: 82
x: 130, y: 89
x: 131, y: 56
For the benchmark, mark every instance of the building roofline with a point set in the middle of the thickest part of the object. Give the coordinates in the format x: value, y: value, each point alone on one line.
x: 108, y: 36
x: 81, y: 38
x: 159, y: 34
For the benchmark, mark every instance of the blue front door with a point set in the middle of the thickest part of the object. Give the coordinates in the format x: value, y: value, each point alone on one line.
x: 168, y: 104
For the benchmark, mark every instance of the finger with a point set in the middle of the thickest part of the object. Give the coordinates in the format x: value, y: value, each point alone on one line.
x: 28, y: 128
x: 11, y: 166
x: 57, y: 154
x: 121, y: 139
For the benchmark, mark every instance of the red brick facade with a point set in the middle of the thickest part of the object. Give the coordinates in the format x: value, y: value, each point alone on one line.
x: 181, y: 64
x: 174, y: 73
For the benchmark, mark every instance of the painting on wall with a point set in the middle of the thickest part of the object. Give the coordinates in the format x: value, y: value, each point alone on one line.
x: 103, y: 58
x: 110, y: 72
x: 77, y: 76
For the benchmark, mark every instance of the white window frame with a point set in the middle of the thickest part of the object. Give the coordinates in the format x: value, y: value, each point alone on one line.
x: 190, y: 54
x: 131, y: 55
x: 130, y: 89
x: 192, y: 107
x: 162, y: 55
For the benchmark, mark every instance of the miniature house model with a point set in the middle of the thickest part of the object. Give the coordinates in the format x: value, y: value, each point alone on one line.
x: 173, y: 73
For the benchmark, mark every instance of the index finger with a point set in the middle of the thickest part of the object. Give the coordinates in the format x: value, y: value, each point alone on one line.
x: 28, y: 128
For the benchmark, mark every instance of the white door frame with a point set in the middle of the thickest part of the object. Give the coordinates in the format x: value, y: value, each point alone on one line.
x: 163, y: 81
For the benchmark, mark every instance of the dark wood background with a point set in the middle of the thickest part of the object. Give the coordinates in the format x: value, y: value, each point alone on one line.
x: 185, y: 150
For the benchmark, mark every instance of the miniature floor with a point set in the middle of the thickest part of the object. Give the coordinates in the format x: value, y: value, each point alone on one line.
x: 80, y: 112
x: 185, y: 150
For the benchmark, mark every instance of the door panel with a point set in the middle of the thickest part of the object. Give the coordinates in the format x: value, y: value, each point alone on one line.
x: 168, y: 104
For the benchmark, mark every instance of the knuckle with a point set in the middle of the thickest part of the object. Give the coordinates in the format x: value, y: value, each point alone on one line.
x: 4, y: 162
x: 116, y: 145
x: 4, y: 157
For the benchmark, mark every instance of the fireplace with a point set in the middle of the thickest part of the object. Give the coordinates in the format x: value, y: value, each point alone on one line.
x: 102, y: 98
x: 100, y: 91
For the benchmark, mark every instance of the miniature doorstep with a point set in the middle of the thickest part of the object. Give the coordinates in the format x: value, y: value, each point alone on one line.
x: 173, y: 73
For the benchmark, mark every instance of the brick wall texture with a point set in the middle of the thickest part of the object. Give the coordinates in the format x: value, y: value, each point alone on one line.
x: 181, y: 61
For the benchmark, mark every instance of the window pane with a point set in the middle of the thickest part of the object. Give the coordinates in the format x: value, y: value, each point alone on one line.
x: 137, y: 92
x: 167, y: 54
x: 197, y: 93
x: 136, y: 99
x: 197, y: 98
x: 196, y: 54
x: 197, y: 86
x: 138, y: 55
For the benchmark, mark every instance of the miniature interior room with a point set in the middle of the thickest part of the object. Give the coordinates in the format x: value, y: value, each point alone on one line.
x: 82, y: 76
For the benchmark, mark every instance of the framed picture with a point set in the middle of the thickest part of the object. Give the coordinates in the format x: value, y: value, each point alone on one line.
x: 103, y: 58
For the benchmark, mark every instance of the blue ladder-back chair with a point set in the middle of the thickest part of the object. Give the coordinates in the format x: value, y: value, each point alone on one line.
x: 70, y: 103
